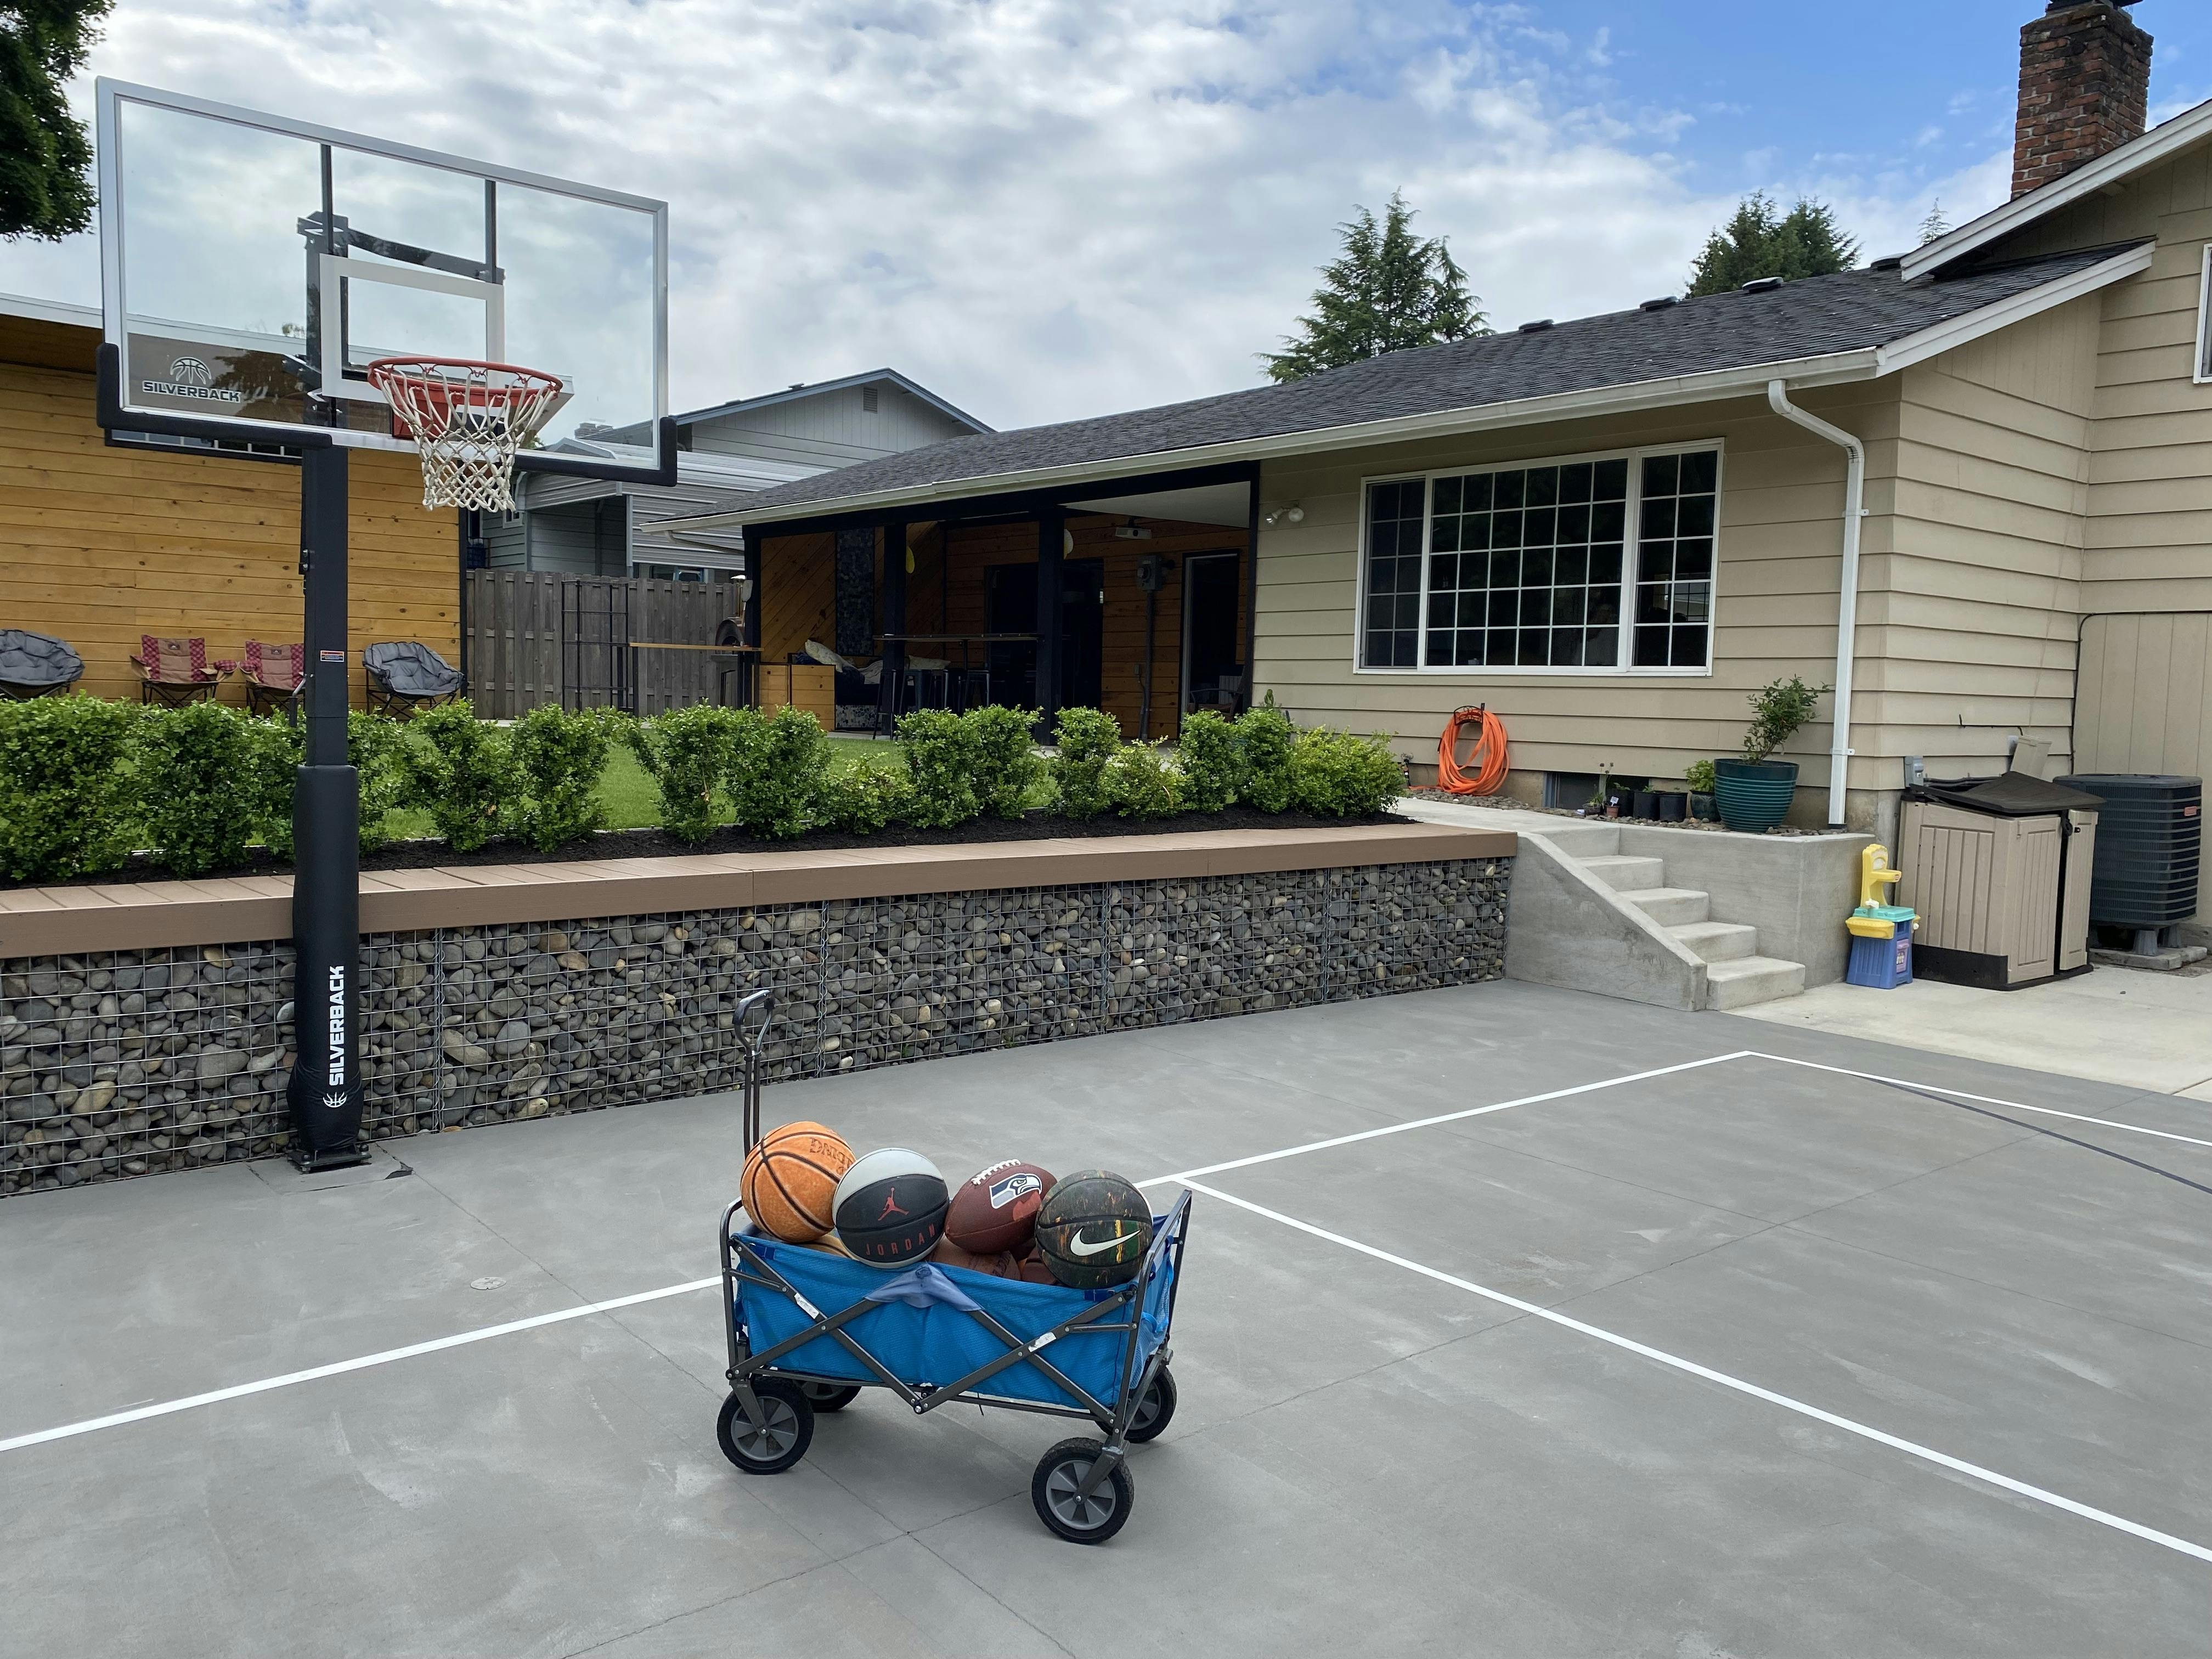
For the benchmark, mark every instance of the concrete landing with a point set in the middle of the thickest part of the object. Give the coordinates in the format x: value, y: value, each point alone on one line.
x: 2149, y: 1032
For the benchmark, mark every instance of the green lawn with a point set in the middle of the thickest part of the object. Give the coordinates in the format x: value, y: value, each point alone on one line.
x: 633, y: 803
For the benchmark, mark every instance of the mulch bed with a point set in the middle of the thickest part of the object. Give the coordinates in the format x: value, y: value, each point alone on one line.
x: 654, y: 843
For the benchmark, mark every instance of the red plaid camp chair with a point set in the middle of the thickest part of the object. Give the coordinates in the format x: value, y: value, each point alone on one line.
x: 173, y: 673
x: 273, y: 675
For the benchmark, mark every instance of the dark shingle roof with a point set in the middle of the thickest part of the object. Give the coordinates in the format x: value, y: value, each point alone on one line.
x: 1815, y: 317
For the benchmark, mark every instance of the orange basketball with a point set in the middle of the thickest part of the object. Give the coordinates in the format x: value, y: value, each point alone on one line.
x: 790, y: 1179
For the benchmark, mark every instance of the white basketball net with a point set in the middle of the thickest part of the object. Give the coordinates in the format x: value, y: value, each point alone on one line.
x: 468, y: 419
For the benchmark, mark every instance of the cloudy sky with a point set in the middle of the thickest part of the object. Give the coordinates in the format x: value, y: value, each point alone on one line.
x: 1044, y: 209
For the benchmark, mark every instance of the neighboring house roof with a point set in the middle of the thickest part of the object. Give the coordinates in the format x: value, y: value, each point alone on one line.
x: 1823, y: 329
x: 872, y: 377
x: 49, y: 311
x: 2112, y: 168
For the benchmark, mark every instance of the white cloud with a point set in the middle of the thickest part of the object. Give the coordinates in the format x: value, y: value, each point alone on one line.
x: 1042, y: 208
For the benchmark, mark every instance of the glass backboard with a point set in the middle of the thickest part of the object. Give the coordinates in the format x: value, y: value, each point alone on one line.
x: 253, y: 266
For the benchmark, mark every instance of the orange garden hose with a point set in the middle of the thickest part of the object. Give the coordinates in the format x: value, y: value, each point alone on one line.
x: 1489, y: 747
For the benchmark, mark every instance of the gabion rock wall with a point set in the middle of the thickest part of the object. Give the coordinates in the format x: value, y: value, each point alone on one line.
x: 118, y: 1065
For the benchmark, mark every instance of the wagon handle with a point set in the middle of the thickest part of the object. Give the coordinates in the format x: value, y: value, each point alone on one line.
x: 752, y: 1037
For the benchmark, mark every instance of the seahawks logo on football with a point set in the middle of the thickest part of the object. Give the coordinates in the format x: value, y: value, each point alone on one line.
x: 1006, y: 1190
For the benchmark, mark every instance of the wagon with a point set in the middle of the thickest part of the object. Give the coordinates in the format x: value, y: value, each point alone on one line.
x: 808, y: 1330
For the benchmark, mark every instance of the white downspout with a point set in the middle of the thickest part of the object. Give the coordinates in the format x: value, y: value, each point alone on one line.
x: 1847, y: 601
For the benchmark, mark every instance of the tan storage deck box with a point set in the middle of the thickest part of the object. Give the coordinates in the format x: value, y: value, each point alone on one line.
x: 2002, y: 892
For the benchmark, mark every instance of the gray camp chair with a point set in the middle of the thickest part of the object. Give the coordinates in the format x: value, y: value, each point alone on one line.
x: 35, y: 665
x: 406, y: 675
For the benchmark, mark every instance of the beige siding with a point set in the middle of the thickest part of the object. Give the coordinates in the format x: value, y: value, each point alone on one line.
x: 1780, y: 559
x: 1976, y: 606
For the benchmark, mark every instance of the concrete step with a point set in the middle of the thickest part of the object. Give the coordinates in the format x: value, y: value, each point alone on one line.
x: 1671, y: 907
x: 1627, y: 875
x: 1750, y: 980
x: 1719, y: 941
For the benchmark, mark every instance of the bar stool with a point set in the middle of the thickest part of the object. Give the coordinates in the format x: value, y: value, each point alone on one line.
x: 973, y: 688
x: 925, y: 688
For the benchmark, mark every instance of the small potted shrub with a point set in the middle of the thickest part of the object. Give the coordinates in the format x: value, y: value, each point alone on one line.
x: 1698, y: 780
x: 1753, y: 792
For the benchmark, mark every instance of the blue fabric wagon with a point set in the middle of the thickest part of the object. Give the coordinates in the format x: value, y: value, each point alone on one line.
x: 808, y: 1329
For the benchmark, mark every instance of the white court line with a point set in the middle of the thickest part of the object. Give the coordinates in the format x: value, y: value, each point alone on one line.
x: 164, y: 1408
x: 1894, y: 1441
x: 140, y: 1413
x: 1445, y: 1117
x: 1985, y: 1100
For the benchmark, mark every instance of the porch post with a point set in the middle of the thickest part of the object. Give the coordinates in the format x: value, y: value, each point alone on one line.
x: 1248, y: 569
x: 749, y: 667
x: 894, y: 654
x: 1052, y: 526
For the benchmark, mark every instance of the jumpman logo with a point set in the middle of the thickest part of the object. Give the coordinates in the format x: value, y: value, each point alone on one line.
x: 890, y: 1208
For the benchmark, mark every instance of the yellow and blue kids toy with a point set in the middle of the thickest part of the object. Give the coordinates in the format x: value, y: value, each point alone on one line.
x: 1881, y: 934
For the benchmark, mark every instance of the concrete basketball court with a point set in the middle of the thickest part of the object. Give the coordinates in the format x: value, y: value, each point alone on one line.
x: 1743, y: 1356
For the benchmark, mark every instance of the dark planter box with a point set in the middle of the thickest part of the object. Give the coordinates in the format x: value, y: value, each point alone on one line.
x: 1674, y: 806
x: 1753, y: 796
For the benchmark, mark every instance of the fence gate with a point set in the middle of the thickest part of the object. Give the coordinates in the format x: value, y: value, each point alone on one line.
x: 539, y: 636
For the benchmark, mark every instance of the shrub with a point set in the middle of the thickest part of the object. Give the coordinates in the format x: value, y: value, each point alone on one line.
x: 198, y: 771
x: 686, y: 751
x: 1265, y: 736
x: 1142, y: 782
x: 1007, y: 764
x: 1698, y: 777
x: 1087, y: 738
x: 461, y: 771
x: 1334, y: 774
x: 63, y: 787
x: 1213, y: 761
x: 377, y: 749
x: 558, y: 758
x: 1777, y: 710
x: 778, y: 764
x: 866, y: 799
x: 942, y: 761
x: 373, y: 745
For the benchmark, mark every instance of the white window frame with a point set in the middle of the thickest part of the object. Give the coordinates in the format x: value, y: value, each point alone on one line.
x: 2203, y: 370
x: 1633, y: 533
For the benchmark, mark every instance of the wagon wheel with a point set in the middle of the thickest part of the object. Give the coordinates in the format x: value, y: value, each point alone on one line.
x: 829, y: 1396
x: 1156, y: 1410
x: 778, y: 1439
x: 1067, y: 1511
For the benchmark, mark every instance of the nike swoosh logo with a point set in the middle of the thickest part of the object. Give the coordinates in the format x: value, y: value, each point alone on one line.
x: 1079, y: 1248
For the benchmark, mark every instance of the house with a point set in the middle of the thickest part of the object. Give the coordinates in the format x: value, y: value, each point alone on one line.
x: 598, y: 527
x: 106, y: 538
x: 1612, y: 530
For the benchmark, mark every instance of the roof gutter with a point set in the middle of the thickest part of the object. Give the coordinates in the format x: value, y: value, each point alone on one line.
x: 1847, y: 599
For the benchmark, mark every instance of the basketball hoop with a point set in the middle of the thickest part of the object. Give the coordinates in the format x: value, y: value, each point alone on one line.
x: 469, y: 419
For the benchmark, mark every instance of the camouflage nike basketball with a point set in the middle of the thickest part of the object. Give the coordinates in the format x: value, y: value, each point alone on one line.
x: 1093, y: 1229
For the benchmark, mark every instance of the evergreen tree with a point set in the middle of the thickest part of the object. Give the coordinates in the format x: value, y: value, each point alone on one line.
x: 1760, y: 240
x: 45, y: 160
x: 1935, y: 226
x: 1389, y: 290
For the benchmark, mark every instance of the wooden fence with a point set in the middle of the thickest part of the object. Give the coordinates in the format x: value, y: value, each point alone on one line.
x: 536, y: 636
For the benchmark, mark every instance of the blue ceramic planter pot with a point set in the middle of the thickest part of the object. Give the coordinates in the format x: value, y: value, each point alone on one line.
x: 1753, y: 796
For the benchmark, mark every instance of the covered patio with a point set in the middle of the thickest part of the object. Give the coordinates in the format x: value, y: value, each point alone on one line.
x: 1134, y: 596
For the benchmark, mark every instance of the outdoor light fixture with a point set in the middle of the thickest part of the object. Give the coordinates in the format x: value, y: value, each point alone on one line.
x: 1291, y: 514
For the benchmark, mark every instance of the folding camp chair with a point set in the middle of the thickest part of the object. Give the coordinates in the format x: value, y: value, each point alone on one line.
x: 406, y: 675
x: 274, y: 674
x: 35, y: 665
x: 173, y: 673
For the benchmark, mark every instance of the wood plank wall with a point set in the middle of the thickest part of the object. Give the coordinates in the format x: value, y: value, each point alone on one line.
x: 100, y: 544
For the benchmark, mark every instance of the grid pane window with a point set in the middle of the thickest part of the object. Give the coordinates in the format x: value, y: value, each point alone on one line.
x: 1675, y: 560
x: 1525, y: 567
x: 1391, y: 631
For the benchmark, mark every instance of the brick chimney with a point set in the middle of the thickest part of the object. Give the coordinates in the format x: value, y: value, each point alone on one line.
x: 2084, y: 89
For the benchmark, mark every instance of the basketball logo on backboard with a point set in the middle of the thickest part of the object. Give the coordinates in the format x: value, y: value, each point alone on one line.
x: 190, y: 378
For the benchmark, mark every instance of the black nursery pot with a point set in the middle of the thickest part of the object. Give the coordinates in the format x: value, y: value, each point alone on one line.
x: 1674, y: 806
x: 1647, y: 804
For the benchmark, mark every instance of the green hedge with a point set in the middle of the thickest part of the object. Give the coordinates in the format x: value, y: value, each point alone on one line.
x: 82, y: 781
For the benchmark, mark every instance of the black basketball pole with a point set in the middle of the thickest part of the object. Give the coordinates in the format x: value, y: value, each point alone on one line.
x: 325, y: 1092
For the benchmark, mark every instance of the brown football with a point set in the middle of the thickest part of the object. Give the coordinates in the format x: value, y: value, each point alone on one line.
x: 995, y: 1209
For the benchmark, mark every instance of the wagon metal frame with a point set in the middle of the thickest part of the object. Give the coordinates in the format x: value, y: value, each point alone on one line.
x: 1081, y: 1488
